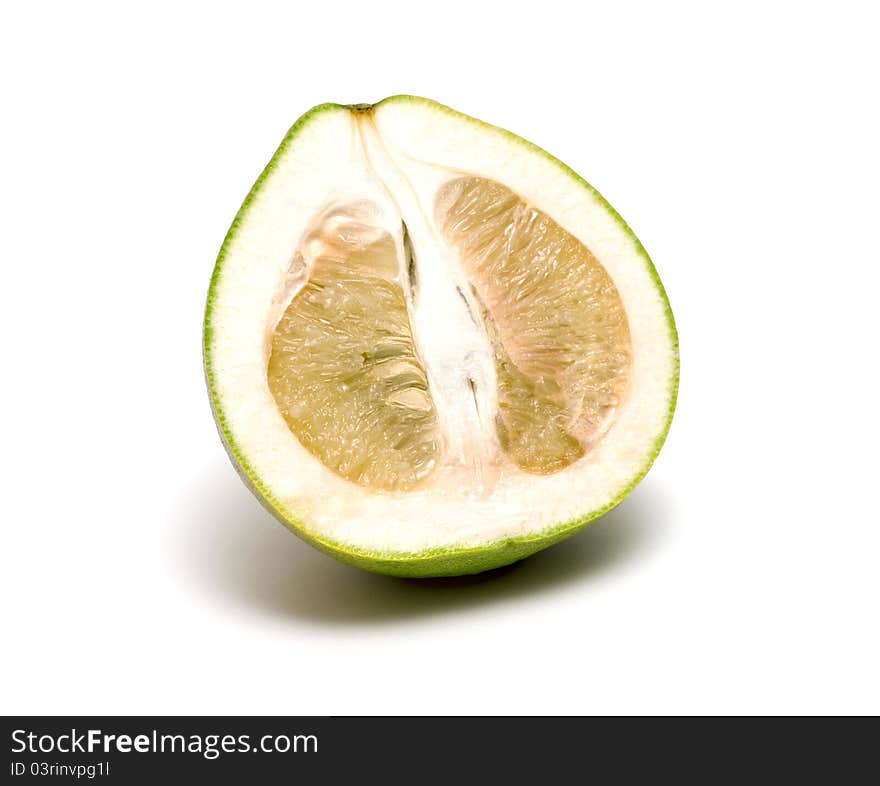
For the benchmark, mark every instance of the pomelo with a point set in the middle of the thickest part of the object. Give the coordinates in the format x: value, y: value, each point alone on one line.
x: 432, y: 348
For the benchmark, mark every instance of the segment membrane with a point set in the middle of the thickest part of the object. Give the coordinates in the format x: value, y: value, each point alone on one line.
x: 343, y: 367
x: 560, y: 334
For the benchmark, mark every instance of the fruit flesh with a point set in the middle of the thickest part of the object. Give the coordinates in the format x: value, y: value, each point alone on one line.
x: 343, y: 369
x: 344, y: 365
x: 561, y: 338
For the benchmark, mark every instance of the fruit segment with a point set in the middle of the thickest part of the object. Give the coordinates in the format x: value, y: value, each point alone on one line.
x: 343, y: 368
x: 557, y: 323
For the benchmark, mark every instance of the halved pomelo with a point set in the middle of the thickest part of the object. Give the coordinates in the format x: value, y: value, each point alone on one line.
x: 432, y: 348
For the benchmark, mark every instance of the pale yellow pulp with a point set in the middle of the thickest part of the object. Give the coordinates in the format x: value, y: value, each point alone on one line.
x: 345, y: 370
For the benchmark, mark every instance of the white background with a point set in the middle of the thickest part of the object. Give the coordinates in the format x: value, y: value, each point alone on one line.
x: 140, y: 576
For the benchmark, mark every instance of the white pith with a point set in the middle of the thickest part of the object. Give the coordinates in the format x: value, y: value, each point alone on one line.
x: 439, y: 311
x: 425, y: 146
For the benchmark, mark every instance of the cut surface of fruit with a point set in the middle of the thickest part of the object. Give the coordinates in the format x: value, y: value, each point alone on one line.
x: 431, y: 348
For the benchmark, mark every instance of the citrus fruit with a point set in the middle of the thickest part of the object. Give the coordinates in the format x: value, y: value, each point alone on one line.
x: 431, y: 348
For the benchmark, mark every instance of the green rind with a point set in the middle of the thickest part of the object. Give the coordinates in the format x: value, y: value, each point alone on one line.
x: 453, y: 561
